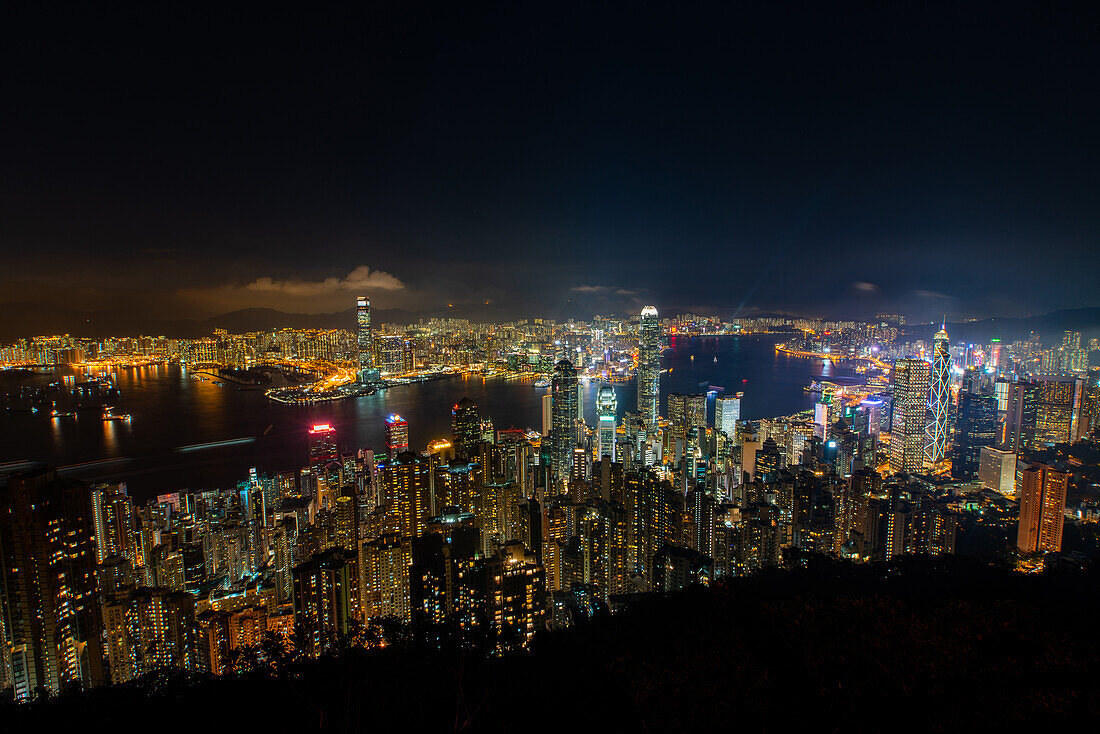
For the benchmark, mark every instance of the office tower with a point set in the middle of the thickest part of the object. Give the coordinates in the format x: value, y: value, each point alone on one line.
x: 150, y: 629
x: 465, y: 428
x: 397, y: 435
x: 1042, y: 495
x: 767, y: 462
x: 686, y: 412
x: 547, y: 414
x: 405, y: 495
x: 385, y: 577
x: 605, y: 410
x: 997, y: 470
x: 563, y: 435
x: 322, y: 444
x: 113, y: 519
x: 648, y: 375
x: 727, y: 412
x: 52, y: 617
x: 365, y: 341
x: 1057, y: 410
x: 936, y: 432
x: 975, y: 429
x: 1019, y: 422
x: 325, y: 596
x: 911, y: 378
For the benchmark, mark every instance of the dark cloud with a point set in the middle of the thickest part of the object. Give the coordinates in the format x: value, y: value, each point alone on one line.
x: 728, y: 157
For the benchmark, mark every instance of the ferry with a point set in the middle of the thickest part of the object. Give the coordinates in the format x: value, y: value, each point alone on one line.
x: 108, y: 415
x: 542, y: 382
x: 62, y: 413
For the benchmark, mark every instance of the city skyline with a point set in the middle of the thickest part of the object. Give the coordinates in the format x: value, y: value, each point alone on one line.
x: 417, y: 366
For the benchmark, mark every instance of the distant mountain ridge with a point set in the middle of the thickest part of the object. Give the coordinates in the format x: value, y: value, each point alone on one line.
x: 1049, y: 327
x: 19, y: 320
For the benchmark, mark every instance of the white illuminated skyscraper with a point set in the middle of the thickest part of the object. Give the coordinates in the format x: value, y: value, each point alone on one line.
x: 649, y: 366
x: 366, y: 340
x: 605, y: 409
x: 727, y: 412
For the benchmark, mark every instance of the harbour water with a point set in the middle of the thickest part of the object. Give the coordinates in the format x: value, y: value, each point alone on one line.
x: 190, y: 434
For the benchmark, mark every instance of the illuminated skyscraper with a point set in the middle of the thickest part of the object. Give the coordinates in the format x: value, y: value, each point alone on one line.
x: 936, y: 432
x: 322, y: 444
x: 649, y: 366
x: 911, y: 378
x: 52, y: 617
x: 405, y: 493
x: 465, y: 428
x: 563, y: 434
x: 397, y: 435
x: 976, y: 428
x: 727, y: 412
x: 366, y: 340
x: 547, y: 414
x: 1042, y: 495
x: 605, y: 408
x: 686, y: 412
x: 1057, y: 410
x: 325, y: 595
x: 113, y: 517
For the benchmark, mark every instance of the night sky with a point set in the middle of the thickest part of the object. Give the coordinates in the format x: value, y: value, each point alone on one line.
x: 546, y: 160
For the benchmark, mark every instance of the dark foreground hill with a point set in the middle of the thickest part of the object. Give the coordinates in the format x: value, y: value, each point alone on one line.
x: 922, y: 645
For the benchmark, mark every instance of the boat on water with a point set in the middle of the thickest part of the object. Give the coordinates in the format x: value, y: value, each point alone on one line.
x: 542, y: 382
x: 109, y: 415
x: 62, y: 413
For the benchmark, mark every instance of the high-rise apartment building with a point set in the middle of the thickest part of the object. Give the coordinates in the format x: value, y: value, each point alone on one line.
x: 405, y: 494
x: 113, y: 519
x: 52, y: 616
x: 1042, y: 495
x: 325, y: 595
x: 686, y: 412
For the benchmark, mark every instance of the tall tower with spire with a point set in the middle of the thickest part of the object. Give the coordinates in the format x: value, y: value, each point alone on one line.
x: 649, y: 366
x: 936, y: 432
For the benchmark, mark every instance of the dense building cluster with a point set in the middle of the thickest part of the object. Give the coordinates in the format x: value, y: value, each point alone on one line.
x: 486, y: 536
